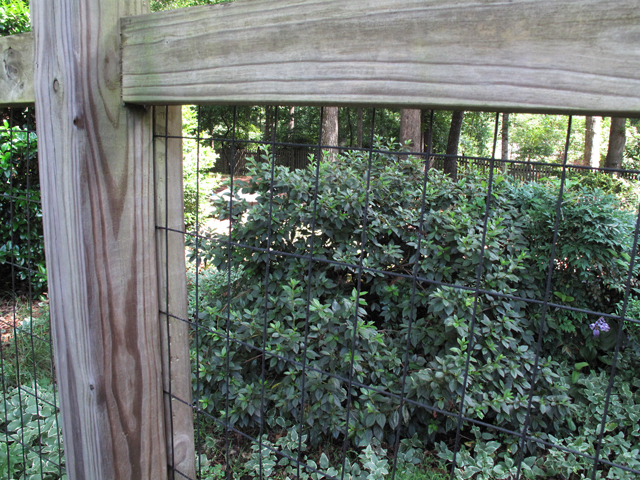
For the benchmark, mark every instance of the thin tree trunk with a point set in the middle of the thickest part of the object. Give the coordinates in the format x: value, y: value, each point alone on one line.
x: 411, y: 129
x: 427, y: 141
x: 360, y: 127
x: 451, y: 163
x: 505, y: 136
x: 616, y: 143
x: 592, y: 134
x: 330, y: 131
x: 268, y: 123
x: 292, y: 119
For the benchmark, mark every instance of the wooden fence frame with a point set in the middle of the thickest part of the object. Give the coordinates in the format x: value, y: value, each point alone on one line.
x: 98, y: 65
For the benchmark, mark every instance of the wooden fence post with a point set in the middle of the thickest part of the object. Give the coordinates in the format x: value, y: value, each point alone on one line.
x: 97, y: 179
x: 172, y: 285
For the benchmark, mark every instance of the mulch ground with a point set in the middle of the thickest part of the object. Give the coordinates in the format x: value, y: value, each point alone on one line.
x: 12, y: 314
x: 224, y: 185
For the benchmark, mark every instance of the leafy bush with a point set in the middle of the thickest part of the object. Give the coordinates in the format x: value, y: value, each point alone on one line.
x: 267, y: 308
x: 627, y: 191
x: 494, y: 455
x: 199, y: 183
x: 20, y: 209
x: 592, y: 257
x: 14, y: 17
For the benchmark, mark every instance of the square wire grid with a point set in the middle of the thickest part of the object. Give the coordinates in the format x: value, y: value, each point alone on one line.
x: 233, y: 424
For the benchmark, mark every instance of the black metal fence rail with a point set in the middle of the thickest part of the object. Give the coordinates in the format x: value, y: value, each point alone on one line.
x: 525, y: 171
x: 292, y: 157
x: 301, y: 157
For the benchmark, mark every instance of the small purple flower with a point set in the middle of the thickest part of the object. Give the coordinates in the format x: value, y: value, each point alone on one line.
x: 600, y: 326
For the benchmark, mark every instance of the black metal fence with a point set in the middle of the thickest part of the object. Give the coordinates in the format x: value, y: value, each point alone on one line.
x: 369, y: 318
x: 30, y: 435
x: 526, y: 171
x: 296, y: 157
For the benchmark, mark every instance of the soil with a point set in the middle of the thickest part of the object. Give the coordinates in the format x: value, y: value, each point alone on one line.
x: 12, y: 314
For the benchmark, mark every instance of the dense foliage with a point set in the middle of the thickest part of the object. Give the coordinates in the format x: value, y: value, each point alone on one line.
x: 199, y: 183
x: 434, y: 318
x: 20, y: 211
x: 14, y: 17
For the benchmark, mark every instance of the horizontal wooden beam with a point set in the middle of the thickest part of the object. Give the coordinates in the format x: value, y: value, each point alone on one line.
x: 564, y: 56
x: 16, y: 70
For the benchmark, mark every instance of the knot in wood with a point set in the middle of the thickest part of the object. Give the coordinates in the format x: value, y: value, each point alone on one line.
x: 12, y: 64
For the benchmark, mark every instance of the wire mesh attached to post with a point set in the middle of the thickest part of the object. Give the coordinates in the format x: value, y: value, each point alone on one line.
x: 367, y: 316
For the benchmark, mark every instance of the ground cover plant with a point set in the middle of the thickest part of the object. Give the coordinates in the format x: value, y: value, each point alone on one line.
x: 367, y: 320
x: 29, y: 428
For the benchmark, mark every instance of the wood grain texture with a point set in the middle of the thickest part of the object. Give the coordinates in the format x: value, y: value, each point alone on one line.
x: 16, y: 70
x: 575, y: 56
x: 172, y: 285
x: 97, y: 180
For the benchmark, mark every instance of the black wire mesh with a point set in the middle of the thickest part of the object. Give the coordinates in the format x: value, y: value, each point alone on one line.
x: 31, y: 435
x: 366, y: 316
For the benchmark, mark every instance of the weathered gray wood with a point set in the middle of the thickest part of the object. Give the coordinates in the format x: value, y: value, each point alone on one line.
x: 172, y: 285
x: 16, y: 70
x: 576, y: 56
x: 97, y: 180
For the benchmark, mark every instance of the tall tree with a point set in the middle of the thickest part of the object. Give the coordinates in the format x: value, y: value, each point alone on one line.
x: 292, y: 119
x: 360, y: 127
x: 451, y: 163
x: 330, y: 130
x: 411, y: 128
x: 269, y: 118
x: 615, y: 152
x: 505, y: 136
x: 592, y: 133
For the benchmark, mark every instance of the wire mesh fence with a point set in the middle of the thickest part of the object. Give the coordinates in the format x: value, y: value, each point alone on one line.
x: 370, y: 317
x: 31, y: 441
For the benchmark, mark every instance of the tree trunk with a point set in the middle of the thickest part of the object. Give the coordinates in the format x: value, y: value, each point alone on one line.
x: 411, y: 129
x: 330, y: 131
x: 360, y: 127
x: 451, y: 163
x: 505, y: 136
x: 592, y: 133
x: 269, y: 114
x: 616, y: 143
x: 292, y: 119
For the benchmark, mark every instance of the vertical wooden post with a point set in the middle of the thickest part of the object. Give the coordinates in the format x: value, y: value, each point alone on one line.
x: 98, y: 205
x: 172, y: 285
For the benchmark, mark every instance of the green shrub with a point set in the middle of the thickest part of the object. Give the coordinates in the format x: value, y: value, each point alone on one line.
x: 627, y: 191
x: 199, y: 184
x: 20, y: 211
x: 519, y: 232
x: 592, y: 258
x: 14, y: 17
x: 494, y: 455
